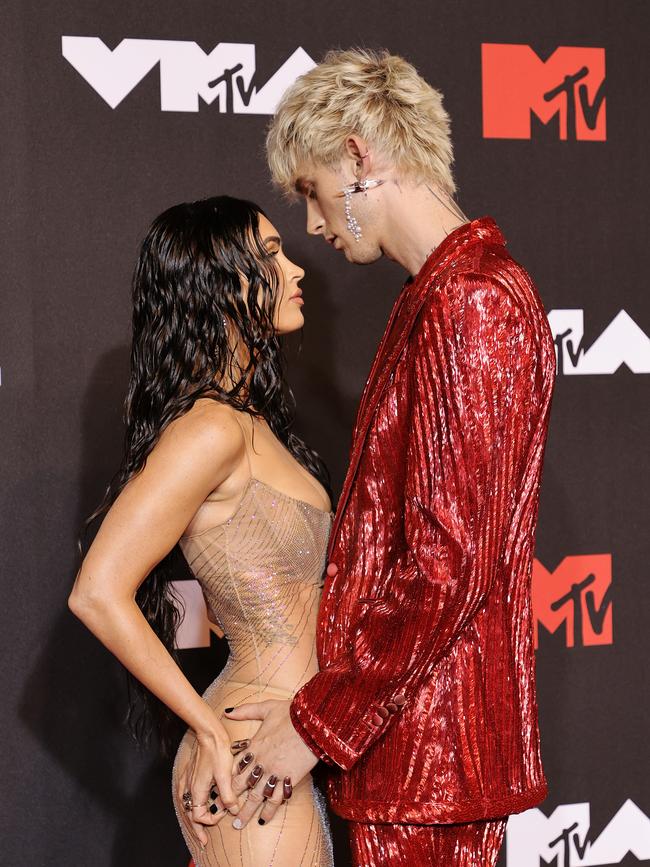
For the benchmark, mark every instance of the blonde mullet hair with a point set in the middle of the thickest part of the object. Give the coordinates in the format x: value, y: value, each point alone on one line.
x: 377, y: 95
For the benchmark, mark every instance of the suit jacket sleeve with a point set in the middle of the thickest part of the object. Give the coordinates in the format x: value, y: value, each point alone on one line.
x: 474, y: 394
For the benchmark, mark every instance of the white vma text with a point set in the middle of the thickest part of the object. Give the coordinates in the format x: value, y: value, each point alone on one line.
x: 622, y: 342
x: 565, y: 838
x: 187, y: 74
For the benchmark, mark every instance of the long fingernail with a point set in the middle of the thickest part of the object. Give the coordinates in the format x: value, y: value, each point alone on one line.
x: 237, y: 824
x: 248, y: 758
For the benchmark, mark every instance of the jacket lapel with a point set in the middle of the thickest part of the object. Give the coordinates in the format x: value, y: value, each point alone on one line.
x: 399, y: 327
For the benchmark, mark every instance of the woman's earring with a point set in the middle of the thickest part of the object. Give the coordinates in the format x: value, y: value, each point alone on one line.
x: 357, y: 187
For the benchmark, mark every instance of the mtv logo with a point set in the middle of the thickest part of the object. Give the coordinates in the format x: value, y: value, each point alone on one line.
x: 577, y: 595
x: 622, y: 342
x: 187, y: 73
x: 565, y: 838
x: 570, y: 84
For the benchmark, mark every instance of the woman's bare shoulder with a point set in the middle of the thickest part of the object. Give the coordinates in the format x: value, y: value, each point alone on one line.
x: 208, y: 434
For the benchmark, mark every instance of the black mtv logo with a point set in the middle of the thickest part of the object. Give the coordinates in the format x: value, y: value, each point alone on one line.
x: 229, y: 77
x: 567, y: 838
x: 595, y: 613
x: 590, y: 110
x: 574, y: 352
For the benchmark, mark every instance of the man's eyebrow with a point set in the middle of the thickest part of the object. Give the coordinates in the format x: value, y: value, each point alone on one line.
x: 272, y: 238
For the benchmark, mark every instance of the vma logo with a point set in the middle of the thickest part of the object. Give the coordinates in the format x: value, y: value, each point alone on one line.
x: 622, y: 342
x: 577, y: 596
x: 569, y: 87
x: 187, y: 73
x: 565, y: 838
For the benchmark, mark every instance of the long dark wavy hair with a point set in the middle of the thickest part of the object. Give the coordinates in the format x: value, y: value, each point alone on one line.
x: 188, y: 302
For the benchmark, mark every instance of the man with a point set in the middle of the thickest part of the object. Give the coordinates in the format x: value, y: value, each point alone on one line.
x: 425, y: 700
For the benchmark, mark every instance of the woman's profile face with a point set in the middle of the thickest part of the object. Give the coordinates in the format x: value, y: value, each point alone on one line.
x: 288, y: 309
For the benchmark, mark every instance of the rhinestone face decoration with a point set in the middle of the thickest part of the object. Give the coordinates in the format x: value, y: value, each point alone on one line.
x: 352, y: 223
x: 357, y: 187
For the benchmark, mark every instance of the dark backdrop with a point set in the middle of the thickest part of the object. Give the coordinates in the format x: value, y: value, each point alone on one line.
x: 82, y: 181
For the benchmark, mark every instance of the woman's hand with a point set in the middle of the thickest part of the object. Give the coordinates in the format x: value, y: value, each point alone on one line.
x: 208, y: 779
x: 279, y: 754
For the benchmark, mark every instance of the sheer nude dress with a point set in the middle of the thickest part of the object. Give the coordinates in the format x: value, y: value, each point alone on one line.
x: 261, y: 573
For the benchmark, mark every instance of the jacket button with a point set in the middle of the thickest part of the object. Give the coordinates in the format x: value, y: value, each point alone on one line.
x: 392, y: 707
x: 383, y: 712
x: 377, y: 719
x: 399, y: 700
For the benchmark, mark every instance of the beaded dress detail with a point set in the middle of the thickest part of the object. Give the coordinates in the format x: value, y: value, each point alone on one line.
x: 261, y: 573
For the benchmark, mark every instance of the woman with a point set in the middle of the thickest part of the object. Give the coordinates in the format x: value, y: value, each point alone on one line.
x: 212, y: 466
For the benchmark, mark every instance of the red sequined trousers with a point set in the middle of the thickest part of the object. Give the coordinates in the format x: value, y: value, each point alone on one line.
x: 476, y: 844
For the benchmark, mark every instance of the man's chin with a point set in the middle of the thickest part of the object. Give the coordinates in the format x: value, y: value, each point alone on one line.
x: 362, y: 257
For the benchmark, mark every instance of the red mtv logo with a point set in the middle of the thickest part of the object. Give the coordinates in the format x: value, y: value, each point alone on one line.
x: 577, y: 595
x: 571, y: 84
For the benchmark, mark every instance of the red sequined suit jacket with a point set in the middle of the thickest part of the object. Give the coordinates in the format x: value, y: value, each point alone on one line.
x: 426, y: 692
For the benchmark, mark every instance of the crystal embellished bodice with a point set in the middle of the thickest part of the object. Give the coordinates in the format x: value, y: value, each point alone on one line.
x: 261, y: 573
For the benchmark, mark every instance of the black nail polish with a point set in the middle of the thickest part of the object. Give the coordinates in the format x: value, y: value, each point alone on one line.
x: 214, y: 809
x: 229, y: 710
x: 261, y: 822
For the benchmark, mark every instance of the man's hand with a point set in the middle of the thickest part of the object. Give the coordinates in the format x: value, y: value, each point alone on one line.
x: 278, y: 750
